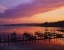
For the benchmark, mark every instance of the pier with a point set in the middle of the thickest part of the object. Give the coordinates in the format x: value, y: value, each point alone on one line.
x: 30, y: 37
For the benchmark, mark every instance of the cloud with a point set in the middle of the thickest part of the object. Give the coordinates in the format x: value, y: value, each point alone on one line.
x: 2, y: 9
x: 32, y: 8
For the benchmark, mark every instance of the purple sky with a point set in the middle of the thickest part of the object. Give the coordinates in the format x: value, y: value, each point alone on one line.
x: 12, y: 3
x: 12, y: 9
x: 24, y: 8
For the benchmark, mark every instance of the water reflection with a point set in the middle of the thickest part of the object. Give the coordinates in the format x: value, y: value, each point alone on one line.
x: 54, y: 44
x: 21, y: 29
x: 39, y: 45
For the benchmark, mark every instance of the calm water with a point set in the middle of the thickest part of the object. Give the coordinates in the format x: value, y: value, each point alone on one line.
x: 22, y: 29
x: 41, y: 45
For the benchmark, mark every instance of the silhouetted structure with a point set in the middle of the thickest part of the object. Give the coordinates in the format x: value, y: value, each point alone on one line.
x: 13, y: 36
x: 61, y: 30
x: 0, y: 38
x: 46, y: 24
x: 31, y: 38
x: 53, y: 24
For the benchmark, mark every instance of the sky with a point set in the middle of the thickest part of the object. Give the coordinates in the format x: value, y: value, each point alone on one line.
x: 31, y: 11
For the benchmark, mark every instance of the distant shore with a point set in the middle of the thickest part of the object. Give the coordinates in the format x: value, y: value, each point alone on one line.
x: 46, y: 24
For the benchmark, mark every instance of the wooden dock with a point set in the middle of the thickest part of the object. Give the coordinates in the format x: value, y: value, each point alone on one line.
x: 29, y: 37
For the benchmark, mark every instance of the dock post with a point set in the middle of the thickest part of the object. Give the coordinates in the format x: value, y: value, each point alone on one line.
x: 4, y: 40
x: 32, y: 39
x: 0, y: 40
x: 41, y: 39
x: 59, y: 33
x: 23, y: 40
x: 8, y: 40
x: 38, y: 39
x: 35, y: 39
x: 26, y: 40
x: 19, y: 39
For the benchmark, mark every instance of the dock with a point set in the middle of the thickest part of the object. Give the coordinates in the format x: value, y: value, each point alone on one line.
x: 30, y: 37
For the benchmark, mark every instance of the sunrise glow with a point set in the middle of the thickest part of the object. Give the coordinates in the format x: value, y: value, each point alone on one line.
x: 31, y: 11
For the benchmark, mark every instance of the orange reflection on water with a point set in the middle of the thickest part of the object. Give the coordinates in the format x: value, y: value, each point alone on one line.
x: 31, y: 30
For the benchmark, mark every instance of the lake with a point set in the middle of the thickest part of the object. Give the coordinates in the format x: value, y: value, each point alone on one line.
x: 22, y: 29
x: 39, y: 45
